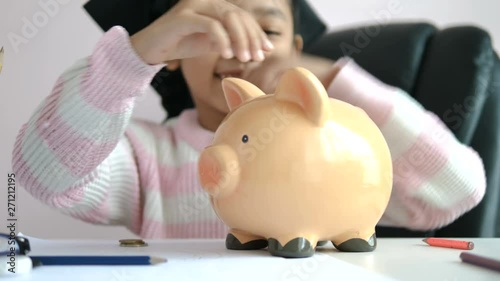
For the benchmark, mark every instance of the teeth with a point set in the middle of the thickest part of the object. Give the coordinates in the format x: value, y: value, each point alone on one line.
x: 225, y: 76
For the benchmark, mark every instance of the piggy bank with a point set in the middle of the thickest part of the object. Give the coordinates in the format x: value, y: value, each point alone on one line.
x: 296, y: 169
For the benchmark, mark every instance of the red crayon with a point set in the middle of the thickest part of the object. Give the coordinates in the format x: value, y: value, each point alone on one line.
x: 447, y: 243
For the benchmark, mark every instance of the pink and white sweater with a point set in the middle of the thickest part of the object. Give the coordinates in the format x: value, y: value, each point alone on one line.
x: 82, y: 153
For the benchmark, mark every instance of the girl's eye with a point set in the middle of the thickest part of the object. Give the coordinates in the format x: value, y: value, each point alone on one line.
x: 272, y: 33
x: 244, y: 139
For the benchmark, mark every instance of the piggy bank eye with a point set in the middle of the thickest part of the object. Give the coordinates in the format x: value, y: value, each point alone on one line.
x: 244, y: 139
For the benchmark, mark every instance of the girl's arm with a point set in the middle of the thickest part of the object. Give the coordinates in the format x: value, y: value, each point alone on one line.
x: 72, y: 153
x: 436, y: 178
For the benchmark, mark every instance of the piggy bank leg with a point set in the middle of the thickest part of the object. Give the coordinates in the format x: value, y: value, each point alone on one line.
x: 299, y: 247
x: 353, y: 242
x: 321, y: 243
x: 240, y: 240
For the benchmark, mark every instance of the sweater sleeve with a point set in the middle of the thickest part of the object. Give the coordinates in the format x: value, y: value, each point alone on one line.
x: 436, y: 179
x: 72, y: 154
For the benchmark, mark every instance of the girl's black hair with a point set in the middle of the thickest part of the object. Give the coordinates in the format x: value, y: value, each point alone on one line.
x: 171, y: 85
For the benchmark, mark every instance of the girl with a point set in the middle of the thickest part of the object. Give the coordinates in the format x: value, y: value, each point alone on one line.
x: 81, y: 152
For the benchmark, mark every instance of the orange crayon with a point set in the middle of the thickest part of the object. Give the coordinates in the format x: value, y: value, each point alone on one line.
x: 447, y: 243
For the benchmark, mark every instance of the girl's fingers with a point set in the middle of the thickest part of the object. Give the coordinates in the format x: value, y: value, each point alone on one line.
x: 246, y: 35
x: 267, y: 45
x: 238, y: 35
x: 220, y: 40
x: 254, y: 33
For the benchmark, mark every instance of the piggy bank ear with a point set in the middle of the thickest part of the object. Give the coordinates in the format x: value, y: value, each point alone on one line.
x: 237, y: 91
x: 301, y: 87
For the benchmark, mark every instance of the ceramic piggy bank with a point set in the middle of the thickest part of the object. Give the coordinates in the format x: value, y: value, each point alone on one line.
x: 295, y: 169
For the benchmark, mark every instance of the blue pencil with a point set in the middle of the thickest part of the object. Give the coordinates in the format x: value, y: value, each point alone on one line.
x: 96, y: 260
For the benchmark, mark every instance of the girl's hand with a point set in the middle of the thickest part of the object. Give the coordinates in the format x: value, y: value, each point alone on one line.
x: 271, y: 71
x: 195, y: 27
x: 323, y: 68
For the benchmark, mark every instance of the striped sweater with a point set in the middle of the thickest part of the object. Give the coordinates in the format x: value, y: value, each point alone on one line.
x: 82, y: 153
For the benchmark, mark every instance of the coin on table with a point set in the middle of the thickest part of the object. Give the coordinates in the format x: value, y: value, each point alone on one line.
x: 132, y: 243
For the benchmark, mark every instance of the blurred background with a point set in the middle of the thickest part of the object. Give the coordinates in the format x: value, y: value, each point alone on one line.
x: 66, y: 33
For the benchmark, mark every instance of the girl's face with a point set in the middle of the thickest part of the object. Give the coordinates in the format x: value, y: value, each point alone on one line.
x: 204, y: 74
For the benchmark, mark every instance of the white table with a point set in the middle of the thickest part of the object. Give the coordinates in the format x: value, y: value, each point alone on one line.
x: 396, y: 259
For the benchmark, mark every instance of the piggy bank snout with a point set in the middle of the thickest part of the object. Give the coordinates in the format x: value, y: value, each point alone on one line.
x: 219, y: 170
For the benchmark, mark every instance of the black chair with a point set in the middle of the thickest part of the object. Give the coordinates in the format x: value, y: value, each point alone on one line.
x: 443, y: 70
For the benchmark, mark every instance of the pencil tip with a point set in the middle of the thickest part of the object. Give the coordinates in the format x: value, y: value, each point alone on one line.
x: 156, y: 260
x: 425, y: 240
